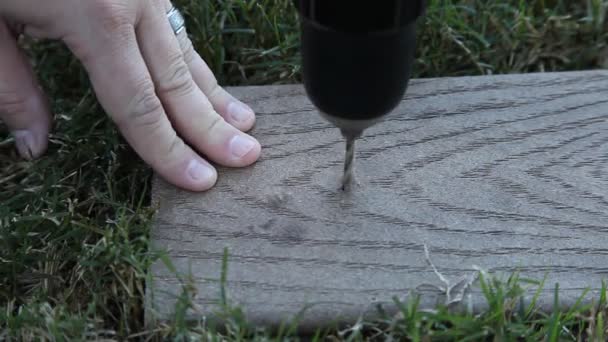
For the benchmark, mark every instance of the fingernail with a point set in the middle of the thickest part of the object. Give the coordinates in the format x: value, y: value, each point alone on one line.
x: 241, y: 145
x: 199, y: 172
x: 239, y: 111
x: 24, y: 141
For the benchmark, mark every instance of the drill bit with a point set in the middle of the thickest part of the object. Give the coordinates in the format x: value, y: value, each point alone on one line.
x: 347, y: 178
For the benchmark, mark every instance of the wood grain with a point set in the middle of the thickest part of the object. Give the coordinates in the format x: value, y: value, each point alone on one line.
x: 509, y: 173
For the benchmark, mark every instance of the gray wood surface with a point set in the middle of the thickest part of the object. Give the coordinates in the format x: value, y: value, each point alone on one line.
x: 505, y: 173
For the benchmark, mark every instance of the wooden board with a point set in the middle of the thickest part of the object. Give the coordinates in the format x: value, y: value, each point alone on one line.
x: 505, y: 172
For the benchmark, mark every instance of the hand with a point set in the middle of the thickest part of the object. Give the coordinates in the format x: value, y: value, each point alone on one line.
x: 153, y: 85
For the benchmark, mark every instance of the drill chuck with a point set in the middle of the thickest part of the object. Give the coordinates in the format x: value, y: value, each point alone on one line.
x: 357, y: 57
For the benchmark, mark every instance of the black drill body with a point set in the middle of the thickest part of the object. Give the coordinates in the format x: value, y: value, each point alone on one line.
x: 357, y: 55
x: 356, y: 59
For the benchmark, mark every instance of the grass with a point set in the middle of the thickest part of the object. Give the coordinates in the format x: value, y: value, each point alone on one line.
x: 74, y: 225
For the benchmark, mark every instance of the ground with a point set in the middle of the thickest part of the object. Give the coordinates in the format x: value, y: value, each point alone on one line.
x: 74, y: 224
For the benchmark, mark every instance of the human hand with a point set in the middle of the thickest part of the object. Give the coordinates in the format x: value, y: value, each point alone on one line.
x: 155, y: 87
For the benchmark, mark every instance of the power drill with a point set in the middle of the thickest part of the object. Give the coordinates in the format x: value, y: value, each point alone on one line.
x: 356, y: 61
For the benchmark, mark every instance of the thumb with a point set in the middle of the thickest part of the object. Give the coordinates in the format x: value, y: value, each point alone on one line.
x: 23, y: 107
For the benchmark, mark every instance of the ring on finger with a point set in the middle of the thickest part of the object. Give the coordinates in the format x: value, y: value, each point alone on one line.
x: 176, y: 19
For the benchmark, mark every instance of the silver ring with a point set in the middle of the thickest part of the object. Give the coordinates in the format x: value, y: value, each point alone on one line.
x: 176, y: 19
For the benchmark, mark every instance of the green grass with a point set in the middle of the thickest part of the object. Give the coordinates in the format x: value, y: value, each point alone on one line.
x: 74, y: 225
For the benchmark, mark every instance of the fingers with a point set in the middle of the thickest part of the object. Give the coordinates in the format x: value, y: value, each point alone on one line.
x: 234, y: 111
x: 23, y: 106
x: 126, y: 91
x: 190, y: 111
x: 231, y: 109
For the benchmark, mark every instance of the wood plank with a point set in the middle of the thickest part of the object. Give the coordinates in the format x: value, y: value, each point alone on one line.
x: 503, y: 172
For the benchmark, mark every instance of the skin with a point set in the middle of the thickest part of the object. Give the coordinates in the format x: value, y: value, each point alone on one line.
x: 162, y: 96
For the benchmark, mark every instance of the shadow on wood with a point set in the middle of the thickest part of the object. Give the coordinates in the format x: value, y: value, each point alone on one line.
x: 504, y: 172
